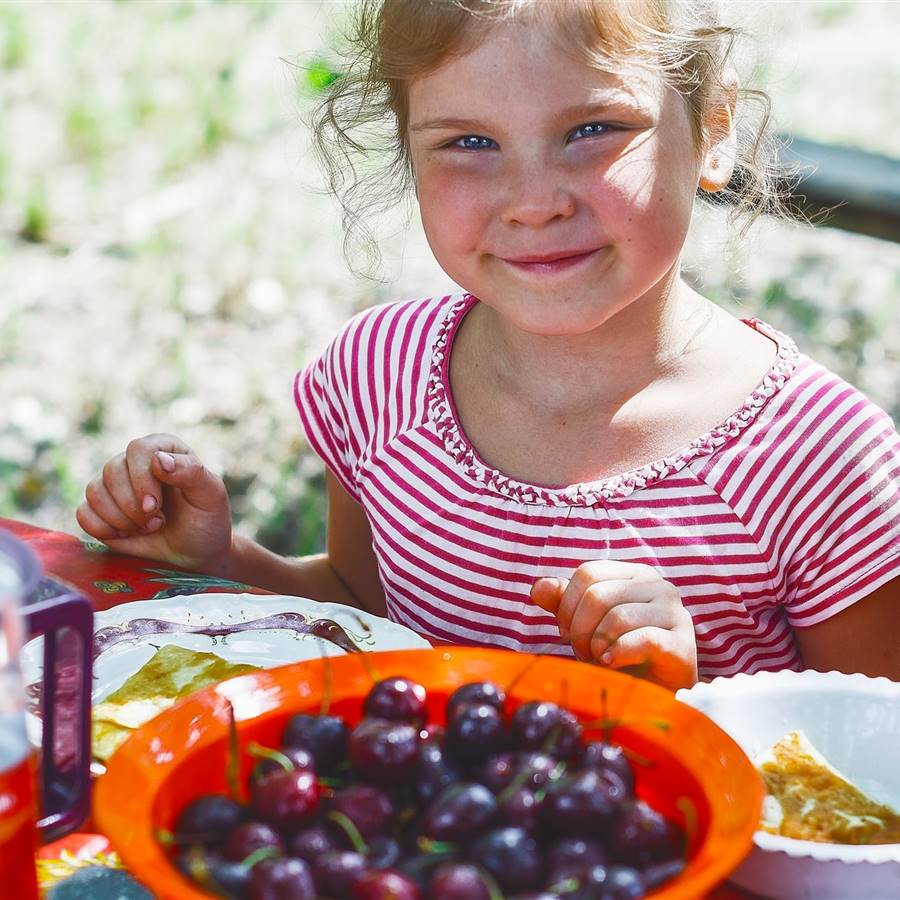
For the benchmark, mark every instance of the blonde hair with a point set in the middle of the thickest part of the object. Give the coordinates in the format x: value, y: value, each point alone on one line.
x: 360, y: 126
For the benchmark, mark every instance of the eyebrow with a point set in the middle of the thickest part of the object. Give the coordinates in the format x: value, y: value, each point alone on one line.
x: 580, y: 111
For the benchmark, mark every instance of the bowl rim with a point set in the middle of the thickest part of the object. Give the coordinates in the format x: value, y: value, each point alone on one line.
x: 805, y: 681
x: 124, y: 798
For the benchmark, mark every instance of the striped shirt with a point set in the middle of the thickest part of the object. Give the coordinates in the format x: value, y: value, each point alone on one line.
x: 782, y: 515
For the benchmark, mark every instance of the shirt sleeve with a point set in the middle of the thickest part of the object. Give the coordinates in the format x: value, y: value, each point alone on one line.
x: 324, y: 415
x: 845, y: 530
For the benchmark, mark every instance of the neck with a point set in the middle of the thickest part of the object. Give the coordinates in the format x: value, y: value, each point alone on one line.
x: 601, y: 369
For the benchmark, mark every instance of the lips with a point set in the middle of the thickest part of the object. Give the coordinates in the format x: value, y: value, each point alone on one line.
x: 549, y: 263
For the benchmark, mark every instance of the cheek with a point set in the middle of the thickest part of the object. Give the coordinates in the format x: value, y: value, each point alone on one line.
x: 648, y: 204
x: 452, y: 209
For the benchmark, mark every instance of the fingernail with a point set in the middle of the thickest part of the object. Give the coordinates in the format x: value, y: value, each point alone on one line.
x: 149, y: 503
x: 606, y: 659
x: 154, y: 523
x: 166, y: 460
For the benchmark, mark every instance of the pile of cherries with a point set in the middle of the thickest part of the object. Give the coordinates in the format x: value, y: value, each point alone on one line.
x: 489, y: 806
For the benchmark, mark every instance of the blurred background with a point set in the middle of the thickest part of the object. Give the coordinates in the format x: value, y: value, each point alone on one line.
x: 168, y: 259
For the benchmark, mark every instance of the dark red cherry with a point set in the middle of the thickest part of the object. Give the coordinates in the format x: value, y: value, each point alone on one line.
x: 572, y: 855
x: 460, y: 812
x: 641, y: 835
x: 458, y: 881
x: 385, y: 884
x: 605, y: 755
x: 208, y: 820
x: 334, y: 873
x: 583, y: 804
x: 545, y: 727
x: 434, y: 771
x: 397, y: 699
x: 475, y: 732
x: 286, y: 800
x: 312, y: 842
x: 282, y: 879
x: 382, y: 750
x: 476, y: 692
x: 513, y: 858
x: 250, y: 837
x: 297, y: 756
x: 368, y: 808
x: 325, y: 737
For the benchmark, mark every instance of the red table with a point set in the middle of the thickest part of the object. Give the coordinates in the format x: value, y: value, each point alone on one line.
x: 107, y: 579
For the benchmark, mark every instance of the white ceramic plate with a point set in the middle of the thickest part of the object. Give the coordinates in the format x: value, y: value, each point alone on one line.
x: 854, y: 721
x: 265, y: 646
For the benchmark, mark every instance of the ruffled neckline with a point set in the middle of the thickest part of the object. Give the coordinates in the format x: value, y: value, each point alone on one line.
x: 443, y: 414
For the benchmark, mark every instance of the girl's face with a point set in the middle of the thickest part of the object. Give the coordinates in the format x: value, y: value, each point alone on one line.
x: 555, y: 193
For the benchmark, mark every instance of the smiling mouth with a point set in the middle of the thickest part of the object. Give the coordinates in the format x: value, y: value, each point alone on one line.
x: 550, y: 264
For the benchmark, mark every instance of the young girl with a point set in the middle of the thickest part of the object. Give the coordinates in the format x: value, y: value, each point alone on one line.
x: 580, y: 454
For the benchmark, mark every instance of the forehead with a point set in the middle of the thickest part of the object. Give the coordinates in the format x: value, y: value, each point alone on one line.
x: 525, y: 65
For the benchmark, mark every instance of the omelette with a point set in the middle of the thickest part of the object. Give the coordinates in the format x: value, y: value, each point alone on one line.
x: 172, y: 673
x: 810, y: 800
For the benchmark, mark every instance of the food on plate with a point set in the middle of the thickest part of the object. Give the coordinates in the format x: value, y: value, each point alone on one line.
x: 810, y: 800
x: 171, y: 673
x: 497, y: 802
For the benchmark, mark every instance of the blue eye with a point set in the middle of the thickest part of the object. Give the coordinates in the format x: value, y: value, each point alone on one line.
x: 591, y: 129
x: 474, y: 142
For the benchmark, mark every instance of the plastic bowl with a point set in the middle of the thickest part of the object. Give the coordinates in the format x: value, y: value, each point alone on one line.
x: 854, y: 721
x: 696, y: 776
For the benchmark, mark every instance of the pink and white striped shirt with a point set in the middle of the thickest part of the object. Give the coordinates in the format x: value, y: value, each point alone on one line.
x: 783, y: 515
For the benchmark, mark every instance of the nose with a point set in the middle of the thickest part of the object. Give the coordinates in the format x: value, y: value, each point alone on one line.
x: 536, y: 195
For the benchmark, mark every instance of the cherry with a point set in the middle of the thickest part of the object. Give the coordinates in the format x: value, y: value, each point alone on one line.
x: 458, y: 881
x: 545, y: 727
x: 512, y: 857
x: 568, y: 856
x: 218, y: 875
x: 434, y: 772
x: 398, y: 699
x: 282, y: 879
x: 534, y: 770
x: 368, y: 808
x: 613, y: 883
x: 383, y: 750
x: 604, y: 755
x: 249, y: 837
x: 286, y: 800
x: 476, y: 692
x: 312, y: 842
x: 208, y: 820
x: 475, y: 732
x: 519, y: 808
x: 384, y: 852
x: 385, y: 884
x: 297, y: 756
x: 325, y: 737
x: 640, y: 835
x: 335, y: 872
x: 582, y: 804
x: 460, y: 811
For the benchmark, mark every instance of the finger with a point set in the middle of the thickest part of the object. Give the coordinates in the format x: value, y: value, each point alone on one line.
x: 96, y: 526
x: 139, y: 456
x: 104, y: 506
x: 116, y: 482
x: 547, y: 593
x: 666, y: 656
x: 199, y: 487
x: 625, y: 618
x: 599, y: 570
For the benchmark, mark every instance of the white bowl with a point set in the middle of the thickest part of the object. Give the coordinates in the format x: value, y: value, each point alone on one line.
x: 854, y: 721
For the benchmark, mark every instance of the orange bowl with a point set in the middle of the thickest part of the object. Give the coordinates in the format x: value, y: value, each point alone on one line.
x: 694, y: 774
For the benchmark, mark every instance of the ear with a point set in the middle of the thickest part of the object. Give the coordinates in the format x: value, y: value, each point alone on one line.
x: 718, y: 160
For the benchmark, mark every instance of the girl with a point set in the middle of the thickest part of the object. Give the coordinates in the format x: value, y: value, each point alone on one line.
x: 580, y: 454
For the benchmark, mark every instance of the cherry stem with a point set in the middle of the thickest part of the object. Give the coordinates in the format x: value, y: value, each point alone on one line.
x: 165, y: 837
x: 346, y: 824
x: 233, y: 767
x: 327, y: 688
x: 688, y: 809
x: 370, y: 669
x: 259, y: 855
x: 488, y: 881
x: 427, y: 845
x: 260, y: 752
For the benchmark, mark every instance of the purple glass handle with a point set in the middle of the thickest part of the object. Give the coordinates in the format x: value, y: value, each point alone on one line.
x: 65, y: 796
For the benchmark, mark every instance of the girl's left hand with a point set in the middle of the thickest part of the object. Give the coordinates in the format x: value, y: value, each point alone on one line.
x: 623, y: 614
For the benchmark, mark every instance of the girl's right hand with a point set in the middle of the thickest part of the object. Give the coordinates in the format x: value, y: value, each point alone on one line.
x: 157, y: 500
